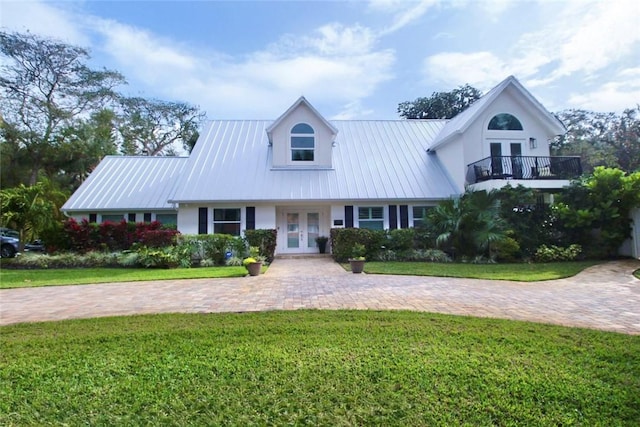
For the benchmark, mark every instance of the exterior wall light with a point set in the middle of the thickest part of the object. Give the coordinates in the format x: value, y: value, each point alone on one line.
x: 533, y: 143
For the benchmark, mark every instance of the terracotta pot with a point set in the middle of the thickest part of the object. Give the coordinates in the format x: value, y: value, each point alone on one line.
x: 254, y: 268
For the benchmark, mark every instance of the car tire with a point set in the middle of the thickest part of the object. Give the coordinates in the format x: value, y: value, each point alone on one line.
x: 7, y: 251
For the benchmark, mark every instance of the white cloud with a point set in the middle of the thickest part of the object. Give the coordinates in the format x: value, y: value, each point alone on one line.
x: 42, y: 19
x: 479, y: 69
x: 614, y: 95
x: 581, y: 41
x: 404, y: 12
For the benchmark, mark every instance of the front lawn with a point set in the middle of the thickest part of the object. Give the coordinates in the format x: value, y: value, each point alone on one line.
x: 52, y: 277
x: 518, y: 271
x: 333, y: 368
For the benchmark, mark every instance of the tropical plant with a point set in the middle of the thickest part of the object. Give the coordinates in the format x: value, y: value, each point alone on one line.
x: 468, y: 225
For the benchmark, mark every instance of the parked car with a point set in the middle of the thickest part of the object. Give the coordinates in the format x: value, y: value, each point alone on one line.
x: 9, y: 246
x: 35, y: 246
x: 7, y: 232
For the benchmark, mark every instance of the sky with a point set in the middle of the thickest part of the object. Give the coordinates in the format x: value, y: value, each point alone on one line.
x: 351, y: 59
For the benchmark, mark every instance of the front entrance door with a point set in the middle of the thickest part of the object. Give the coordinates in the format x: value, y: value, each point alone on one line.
x: 302, y: 228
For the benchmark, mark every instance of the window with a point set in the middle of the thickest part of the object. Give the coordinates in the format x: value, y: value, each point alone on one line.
x: 112, y: 218
x: 226, y: 221
x: 419, y: 213
x: 504, y: 121
x: 371, y: 218
x: 167, y: 219
x: 303, y: 143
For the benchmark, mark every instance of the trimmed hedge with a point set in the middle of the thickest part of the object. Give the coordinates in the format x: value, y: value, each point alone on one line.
x: 85, y: 236
x: 344, y: 239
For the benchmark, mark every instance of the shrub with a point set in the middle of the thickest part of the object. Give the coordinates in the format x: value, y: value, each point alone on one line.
x: 265, y: 239
x: 158, y: 238
x: 507, y: 249
x: 85, y: 236
x: 401, y: 239
x: 158, y: 257
x: 556, y: 253
x: 213, y: 247
x: 344, y: 239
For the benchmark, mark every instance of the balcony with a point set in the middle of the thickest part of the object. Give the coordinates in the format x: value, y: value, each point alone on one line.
x: 528, y: 168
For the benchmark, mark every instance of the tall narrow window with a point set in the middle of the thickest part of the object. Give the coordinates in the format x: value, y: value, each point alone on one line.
x: 303, y: 143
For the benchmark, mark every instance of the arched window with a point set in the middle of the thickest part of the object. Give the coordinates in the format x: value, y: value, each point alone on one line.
x: 303, y: 143
x: 505, y: 121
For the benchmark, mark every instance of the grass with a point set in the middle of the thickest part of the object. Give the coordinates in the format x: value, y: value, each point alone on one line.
x: 52, y: 277
x: 316, y: 368
x: 518, y: 272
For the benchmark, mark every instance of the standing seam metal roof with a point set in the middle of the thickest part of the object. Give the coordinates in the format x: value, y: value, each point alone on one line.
x: 129, y: 183
x: 372, y: 160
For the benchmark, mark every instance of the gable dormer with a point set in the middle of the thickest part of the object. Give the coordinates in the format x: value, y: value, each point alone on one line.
x: 301, y: 138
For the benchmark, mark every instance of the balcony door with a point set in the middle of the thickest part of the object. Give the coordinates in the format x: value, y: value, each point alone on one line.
x: 496, y: 159
x: 516, y: 160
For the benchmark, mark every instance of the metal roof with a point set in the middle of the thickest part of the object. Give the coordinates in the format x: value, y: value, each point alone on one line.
x: 129, y: 183
x: 372, y: 160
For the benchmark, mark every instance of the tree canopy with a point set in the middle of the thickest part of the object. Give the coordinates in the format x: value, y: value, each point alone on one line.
x: 60, y: 117
x: 440, y: 105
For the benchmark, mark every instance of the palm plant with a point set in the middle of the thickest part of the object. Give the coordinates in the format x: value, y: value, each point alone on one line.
x: 468, y: 225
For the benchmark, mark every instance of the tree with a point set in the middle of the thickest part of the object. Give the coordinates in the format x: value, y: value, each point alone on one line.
x: 440, y: 105
x: 79, y: 149
x: 595, y: 210
x: 45, y: 85
x: 153, y: 127
x: 30, y: 210
x: 601, y: 139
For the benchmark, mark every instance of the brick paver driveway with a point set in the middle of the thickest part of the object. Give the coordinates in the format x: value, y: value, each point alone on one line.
x: 602, y: 297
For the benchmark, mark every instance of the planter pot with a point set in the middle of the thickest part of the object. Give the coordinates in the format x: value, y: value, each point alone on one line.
x: 254, y: 268
x: 322, y: 247
x: 357, y: 266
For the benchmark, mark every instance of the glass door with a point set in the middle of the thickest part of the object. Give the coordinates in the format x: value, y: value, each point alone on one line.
x: 496, y: 158
x: 293, y: 230
x: 516, y: 160
x: 313, y: 230
x: 302, y: 229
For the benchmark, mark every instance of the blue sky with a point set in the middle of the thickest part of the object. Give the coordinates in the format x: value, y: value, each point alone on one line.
x: 351, y: 59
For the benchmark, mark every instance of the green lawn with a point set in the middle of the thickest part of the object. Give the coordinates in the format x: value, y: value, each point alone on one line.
x: 333, y: 368
x: 51, y: 277
x: 519, y: 272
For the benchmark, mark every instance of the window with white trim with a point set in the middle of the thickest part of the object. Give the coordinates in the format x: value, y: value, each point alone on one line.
x: 167, y: 219
x: 226, y: 221
x: 419, y: 213
x: 303, y: 143
x: 112, y: 218
x: 504, y: 121
x: 371, y: 217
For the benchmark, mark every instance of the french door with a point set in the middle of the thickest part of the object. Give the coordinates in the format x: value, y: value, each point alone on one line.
x: 302, y: 228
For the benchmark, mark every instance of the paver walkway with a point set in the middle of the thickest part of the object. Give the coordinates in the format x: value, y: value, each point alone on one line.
x: 602, y: 297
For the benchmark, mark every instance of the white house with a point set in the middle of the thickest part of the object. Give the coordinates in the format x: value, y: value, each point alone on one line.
x: 303, y: 174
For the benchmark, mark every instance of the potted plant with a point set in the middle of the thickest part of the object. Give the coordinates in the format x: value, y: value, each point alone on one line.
x: 253, y: 263
x: 322, y: 243
x: 357, y: 258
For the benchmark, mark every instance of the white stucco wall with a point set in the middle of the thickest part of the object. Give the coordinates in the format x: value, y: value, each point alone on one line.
x: 631, y: 246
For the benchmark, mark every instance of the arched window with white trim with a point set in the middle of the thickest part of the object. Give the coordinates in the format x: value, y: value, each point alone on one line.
x: 303, y: 143
x: 504, y: 121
